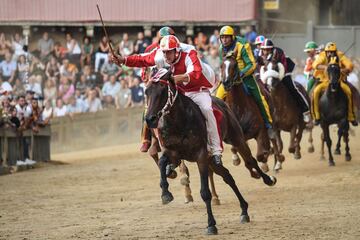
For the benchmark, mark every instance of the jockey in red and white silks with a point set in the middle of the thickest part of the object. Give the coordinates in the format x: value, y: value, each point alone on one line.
x: 192, y: 75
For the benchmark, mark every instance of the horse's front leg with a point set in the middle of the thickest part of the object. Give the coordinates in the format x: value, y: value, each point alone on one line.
x: 346, y: 139
x: 338, y: 144
x: 327, y: 139
x: 298, y: 137
x: 291, y: 148
x: 203, y: 165
x: 311, y: 148
x: 166, y: 196
x: 185, y: 181
x: 215, y: 197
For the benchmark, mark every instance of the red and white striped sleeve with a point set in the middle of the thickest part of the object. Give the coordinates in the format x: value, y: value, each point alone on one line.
x: 141, y: 60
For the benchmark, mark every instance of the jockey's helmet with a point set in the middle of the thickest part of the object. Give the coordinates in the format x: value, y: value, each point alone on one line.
x: 170, y: 42
x: 259, y: 39
x: 330, y: 47
x: 267, y: 44
x: 310, y: 46
x: 227, y: 30
x: 165, y: 31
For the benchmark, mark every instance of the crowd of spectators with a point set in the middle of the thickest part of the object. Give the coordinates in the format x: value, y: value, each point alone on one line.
x: 77, y: 76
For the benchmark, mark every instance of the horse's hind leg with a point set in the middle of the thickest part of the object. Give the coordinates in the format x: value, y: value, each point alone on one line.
x: 215, y: 198
x: 298, y: 137
x: 311, y: 148
x: 235, y: 157
x: 206, y: 194
x: 184, y: 180
x: 322, y: 152
x: 338, y: 144
x: 291, y: 148
x: 228, y: 179
x: 252, y: 165
x: 279, y: 158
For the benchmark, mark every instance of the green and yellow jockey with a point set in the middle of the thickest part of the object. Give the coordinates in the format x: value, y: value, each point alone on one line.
x: 247, y: 65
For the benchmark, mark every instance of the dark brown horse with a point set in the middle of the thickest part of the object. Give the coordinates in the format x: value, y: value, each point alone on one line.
x: 182, y: 131
x: 247, y: 112
x: 287, y: 115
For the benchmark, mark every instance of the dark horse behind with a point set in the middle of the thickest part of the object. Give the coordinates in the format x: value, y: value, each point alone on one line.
x: 333, y: 110
x: 183, y: 134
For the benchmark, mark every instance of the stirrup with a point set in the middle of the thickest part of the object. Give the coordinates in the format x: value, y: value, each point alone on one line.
x: 306, y: 116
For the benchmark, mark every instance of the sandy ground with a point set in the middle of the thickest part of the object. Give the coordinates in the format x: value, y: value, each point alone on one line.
x: 113, y: 193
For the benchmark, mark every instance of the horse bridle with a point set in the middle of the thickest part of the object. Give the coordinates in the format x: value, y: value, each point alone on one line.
x: 170, y: 100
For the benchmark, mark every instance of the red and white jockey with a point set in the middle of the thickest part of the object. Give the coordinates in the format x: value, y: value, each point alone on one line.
x: 193, y: 76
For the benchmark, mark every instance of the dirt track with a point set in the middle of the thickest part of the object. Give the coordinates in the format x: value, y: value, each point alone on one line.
x: 114, y: 193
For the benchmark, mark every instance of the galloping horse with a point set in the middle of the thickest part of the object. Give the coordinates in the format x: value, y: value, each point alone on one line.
x: 287, y: 115
x: 333, y: 109
x: 247, y: 112
x: 183, y: 134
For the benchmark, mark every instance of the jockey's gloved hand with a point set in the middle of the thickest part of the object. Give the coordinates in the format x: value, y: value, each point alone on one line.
x: 241, y: 74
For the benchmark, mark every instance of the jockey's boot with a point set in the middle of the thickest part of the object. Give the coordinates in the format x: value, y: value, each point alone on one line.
x: 145, y: 146
x: 354, y: 123
x: 317, y: 122
x: 216, y: 159
x: 307, y: 117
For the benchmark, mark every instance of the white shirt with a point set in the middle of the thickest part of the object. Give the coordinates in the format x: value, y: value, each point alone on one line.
x: 60, y: 112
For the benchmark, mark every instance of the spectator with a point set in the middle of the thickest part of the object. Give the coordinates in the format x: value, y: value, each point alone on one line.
x: 22, y: 110
x: 87, y: 50
x: 141, y: 43
x: 126, y: 47
x: 52, y: 71
x: 47, y: 112
x: 201, y: 42
x: 93, y: 102
x: 73, y: 107
x: 215, y: 39
x: 8, y: 69
x: 59, y: 51
x: 80, y: 101
x: 18, y: 88
x: 137, y: 93
x: 35, y: 119
x: 214, y: 61
x: 110, y: 90
x: 4, y: 46
x: 82, y: 85
x: 91, y: 79
x: 73, y: 49
x: 5, y: 87
x: 110, y: 69
x: 17, y: 46
x: 68, y: 70
x: 123, y: 96
x: 23, y: 69
x: 50, y: 91
x: 45, y: 46
x: 189, y: 40
x: 37, y: 69
x: 66, y: 89
x: 14, y: 120
x: 60, y: 109
x: 250, y: 34
x: 102, y: 53
x: 33, y: 86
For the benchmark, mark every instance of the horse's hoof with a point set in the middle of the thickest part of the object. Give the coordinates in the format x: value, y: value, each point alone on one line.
x: 291, y: 150
x: 348, y: 157
x: 331, y: 164
x: 297, y: 156
x: 311, y: 149
x: 274, y: 180
x: 236, y: 160
x: 215, y: 201
x: 337, y: 151
x: 278, y: 166
x: 211, y: 230
x: 172, y: 175
x: 184, y: 180
x: 244, y: 219
x: 281, y: 158
x: 167, y: 198
x: 189, y: 199
x: 264, y: 167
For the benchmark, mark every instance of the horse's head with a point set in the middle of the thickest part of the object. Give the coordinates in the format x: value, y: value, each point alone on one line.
x: 333, y: 71
x: 229, y: 70
x: 272, y: 73
x: 161, y: 93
